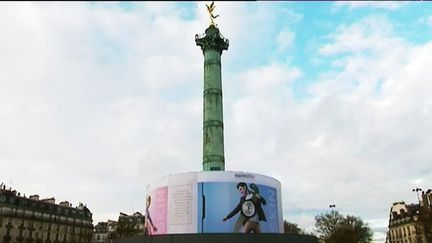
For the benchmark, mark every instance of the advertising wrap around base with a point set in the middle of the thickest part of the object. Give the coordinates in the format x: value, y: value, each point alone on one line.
x: 214, y: 202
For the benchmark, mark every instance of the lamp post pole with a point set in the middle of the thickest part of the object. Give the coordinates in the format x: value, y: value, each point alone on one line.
x: 332, y: 206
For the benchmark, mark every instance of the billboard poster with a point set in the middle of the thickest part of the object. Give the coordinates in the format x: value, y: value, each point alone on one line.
x: 156, y: 212
x: 237, y: 207
x: 214, y: 202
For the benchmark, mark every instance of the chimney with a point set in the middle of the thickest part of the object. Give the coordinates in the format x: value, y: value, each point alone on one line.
x: 424, y: 200
x: 64, y: 204
x: 49, y: 200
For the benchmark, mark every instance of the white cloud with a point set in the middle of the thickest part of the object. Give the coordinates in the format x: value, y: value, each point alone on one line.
x: 80, y: 98
x: 370, y: 130
x: 365, y: 122
x: 372, y: 34
x: 390, y: 5
x: 285, y: 40
x: 96, y: 92
x: 429, y: 21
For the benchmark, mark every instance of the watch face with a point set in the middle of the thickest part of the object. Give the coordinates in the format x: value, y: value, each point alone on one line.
x: 248, y: 208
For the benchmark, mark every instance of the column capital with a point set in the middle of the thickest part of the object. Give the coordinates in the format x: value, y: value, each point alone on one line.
x: 212, y: 39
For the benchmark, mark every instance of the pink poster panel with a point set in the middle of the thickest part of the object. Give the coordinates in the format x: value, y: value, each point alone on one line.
x: 157, y: 212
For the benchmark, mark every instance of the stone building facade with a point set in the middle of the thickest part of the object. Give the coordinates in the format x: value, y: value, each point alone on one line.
x: 126, y: 226
x: 100, y: 234
x: 134, y: 221
x: 411, y: 223
x: 104, y: 232
x: 37, y: 220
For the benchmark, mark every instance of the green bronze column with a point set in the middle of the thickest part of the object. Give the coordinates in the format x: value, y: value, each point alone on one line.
x: 212, y: 44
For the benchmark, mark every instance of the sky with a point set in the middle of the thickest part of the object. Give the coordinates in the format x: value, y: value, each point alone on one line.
x: 333, y: 99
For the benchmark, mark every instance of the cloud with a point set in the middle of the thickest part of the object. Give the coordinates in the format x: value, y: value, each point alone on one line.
x: 368, y: 116
x: 365, y: 120
x: 100, y: 91
x: 81, y: 87
x: 371, y: 34
x: 390, y: 5
x: 285, y: 40
x: 429, y: 21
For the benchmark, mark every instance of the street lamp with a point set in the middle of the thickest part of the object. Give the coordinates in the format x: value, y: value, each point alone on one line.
x: 333, y: 214
x: 332, y: 206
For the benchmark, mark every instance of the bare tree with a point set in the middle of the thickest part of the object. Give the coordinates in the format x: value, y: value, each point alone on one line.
x: 335, y: 228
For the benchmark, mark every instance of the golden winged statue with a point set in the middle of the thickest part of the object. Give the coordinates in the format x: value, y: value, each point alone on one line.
x: 210, y: 11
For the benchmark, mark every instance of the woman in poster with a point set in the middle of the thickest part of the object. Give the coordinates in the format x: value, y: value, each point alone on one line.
x: 149, y: 227
x: 250, y: 209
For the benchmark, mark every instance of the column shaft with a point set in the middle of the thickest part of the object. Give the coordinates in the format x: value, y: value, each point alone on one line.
x: 213, y: 139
